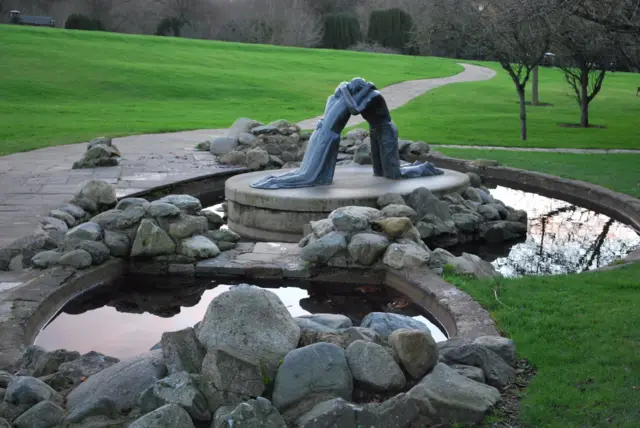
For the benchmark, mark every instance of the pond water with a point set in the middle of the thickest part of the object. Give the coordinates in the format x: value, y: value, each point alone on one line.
x: 128, y: 317
x: 562, y: 238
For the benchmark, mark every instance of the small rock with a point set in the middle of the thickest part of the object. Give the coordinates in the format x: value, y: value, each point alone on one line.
x: 49, y: 362
x: 416, y: 151
x: 107, y: 219
x: 213, y: 219
x: 83, y: 367
x: 5, y: 379
x: 403, y: 256
x: 253, y: 413
x: 118, y: 243
x: 470, y: 264
x: 474, y: 179
x: 163, y: 209
x: 102, y: 407
x: 322, y: 227
x: 309, y: 376
x: 321, y: 250
x: 77, y: 212
x: 257, y: 158
x: 187, y: 226
x: 385, y: 323
x: 356, y: 134
x: 367, y: 248
x: 308, y: 325
x: 331, y: 413
x: 265, y: 130
x: 222, y: 145
x: 43, y: 415
x: 182, y: 352
x: 168, y: 416
x: 29, y: 391
x: 130, y: 217
x: 334, y: 321
x: 52, y: 223
x: 373, y: 367
x: 4, y: 423
x: 424, y: 202
x: 489, y: 212
x: 151, y: 241
x: 233, y: 374
x: 362, y: 155
x: 100, y: 192
x: 394, y: 210
x: 341, y: 338
x: 46, y: 259
x: 393, y: 227
x: 186, y: 203
x: 501, y: 346
x: 234, y: 158
x: 77, y: 259
x: 473, y: 373
x: 68, y: 219
x: 390, y: 199
x: 203, y: 146
x: 497, y: 372
x: 519, y: 216
x: 198, y: 247
x: 225, y: 246
x: 500, y: 231
x: 473, y: 195
x: 447, y: 397
x: 98, y: 251
x: 178, y: 388
x: 224, y: 235
x: 416, y: 349
x: 83, y: 232
x: 86, y: 204
x: 243, y: 125
x: 105, y: 141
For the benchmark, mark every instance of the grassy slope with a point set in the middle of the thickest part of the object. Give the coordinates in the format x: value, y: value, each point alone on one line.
x: 63, y: 86
x: 581, y: 332
x: 487, y: 113
x: 620, y: 172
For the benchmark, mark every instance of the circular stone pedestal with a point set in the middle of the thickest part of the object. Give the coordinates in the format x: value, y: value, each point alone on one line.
x: 281, y: 215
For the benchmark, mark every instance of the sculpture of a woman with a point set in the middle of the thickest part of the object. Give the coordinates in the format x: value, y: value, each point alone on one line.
x: 319, y: 162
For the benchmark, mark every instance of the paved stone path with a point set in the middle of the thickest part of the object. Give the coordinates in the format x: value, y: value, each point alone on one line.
x: 35, y: 182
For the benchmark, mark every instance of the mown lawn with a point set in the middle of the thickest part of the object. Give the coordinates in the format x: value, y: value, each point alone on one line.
x: 60, y: 86
x: 581, y: 333
x: 620, y: 172
x: 487, y: 113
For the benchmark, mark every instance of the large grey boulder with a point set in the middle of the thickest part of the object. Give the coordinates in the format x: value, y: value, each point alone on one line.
x: 99, y: 252
x: 497, y: 372
x: 307, y: 325
x: 223, y: 235
x: 198, y: 247
x: 432, y: 226
x: 83, y: 232
x: 151, y: 241
x: 52, y: 223
x: 243, y: 125
x: 500, y: 231
x: 102, y: 407
x: 232, y: 374
x: 373, y: 367
x: 100, y: 192
x: 367, y: 248
x: 424, y: 202
x: 250, y: 322
x: 405, y: 256
x: 352, y: 219
x: 122, y: 382
x: 46, y: 259
x: 188, y: 225
x: 397, y: 210
x: 258, y: 413
x: 163, y: 209
x: 390, y: 199
x: 322, y: 227
x: 502, y: 346
x: 385, y: 323
x: 186, y: 203
x: 43, y: 415
x: 178, y: 388
x: 446, y: 397
x: 67, y: 218
x: 472, y: 265
x: 168, y: 416
x: 321, y: 250
x: 77, y: 259
x: 257, y: 158
x: 126, y: 203
x: 310, y: 375
x: 76, y: 211
x: 222, y: 145
x: 331, y: 413
x: 130, y: 217
x: 26, y: 390
x: 118, y: 243
x: 341, y: 338
x: 473, y: 373
x: 416, y: 349
x: 182, y: 352
x: 107, y: 219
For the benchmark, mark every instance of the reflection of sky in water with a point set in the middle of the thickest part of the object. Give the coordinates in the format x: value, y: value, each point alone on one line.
x: 124, y: 335
x: 562, y: 238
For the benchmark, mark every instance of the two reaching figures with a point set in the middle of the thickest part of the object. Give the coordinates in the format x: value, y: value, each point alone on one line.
x: 319, y: 162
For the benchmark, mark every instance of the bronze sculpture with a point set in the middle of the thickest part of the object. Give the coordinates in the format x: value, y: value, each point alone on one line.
x: 319, y: 162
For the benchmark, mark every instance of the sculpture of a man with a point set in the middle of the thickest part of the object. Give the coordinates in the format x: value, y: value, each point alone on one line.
x: 319, y: 162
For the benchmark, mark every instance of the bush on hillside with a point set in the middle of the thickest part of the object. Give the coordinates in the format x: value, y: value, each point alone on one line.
x: 391, y: 28
x: 373, y: 48
x: 78, y: 21
x: 170, y: 26
x: 341, y: 31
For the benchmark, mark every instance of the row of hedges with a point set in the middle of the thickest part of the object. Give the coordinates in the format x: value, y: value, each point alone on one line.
x: 390, y: 28
x: 167, y: 27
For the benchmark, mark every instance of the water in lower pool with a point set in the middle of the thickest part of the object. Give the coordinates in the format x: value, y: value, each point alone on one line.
x: 128, y: 317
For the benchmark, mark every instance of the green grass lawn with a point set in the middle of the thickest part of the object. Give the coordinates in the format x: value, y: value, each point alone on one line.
x: 60, y: 86
x: 581, y: 333
x: 487, y: 113
x: 620, y: 172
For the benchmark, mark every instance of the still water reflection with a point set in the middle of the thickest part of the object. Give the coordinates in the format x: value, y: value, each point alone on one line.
x: 562, y: 238
x: 129, y: 316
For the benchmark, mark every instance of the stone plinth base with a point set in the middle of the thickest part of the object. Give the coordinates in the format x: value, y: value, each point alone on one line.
x: 280, y: 215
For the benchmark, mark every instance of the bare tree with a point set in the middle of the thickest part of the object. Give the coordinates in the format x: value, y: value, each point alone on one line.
x: 517, y: 33
x: 586, y: 51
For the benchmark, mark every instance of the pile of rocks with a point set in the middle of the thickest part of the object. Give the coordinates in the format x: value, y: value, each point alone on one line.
x: 248, y: 363
x: 95, y: 226
x: 100, y: 152
x: 257, y: 146
x: 401, y: 232
x: 281, y: 144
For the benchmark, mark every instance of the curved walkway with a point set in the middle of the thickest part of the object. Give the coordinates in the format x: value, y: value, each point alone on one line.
x: 33, y: 183
x: 540, y: 150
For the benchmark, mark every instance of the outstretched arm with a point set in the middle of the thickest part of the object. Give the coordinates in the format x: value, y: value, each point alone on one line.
x: 361, y: 99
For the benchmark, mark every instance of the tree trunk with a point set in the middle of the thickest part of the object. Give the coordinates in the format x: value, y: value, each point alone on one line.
x: 534, y: 88
x: 584, y: 104
x: 523, y: 114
